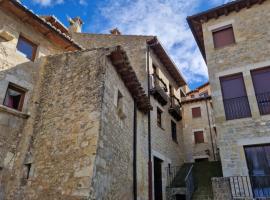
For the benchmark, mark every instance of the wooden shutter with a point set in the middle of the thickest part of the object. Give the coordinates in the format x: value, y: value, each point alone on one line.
x: 261, y: 80
x: 199, y: 137
x: 235, y: 99
x: 223, y: 36
x: 196, y: 112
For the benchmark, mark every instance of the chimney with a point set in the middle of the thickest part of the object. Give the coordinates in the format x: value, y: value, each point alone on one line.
x: 115, y: 31
x: 75, y: 25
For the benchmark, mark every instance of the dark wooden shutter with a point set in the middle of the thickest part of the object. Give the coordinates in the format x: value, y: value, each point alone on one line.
x: 235, y: 99
x: 196, y: 112
x: 199, y: 137
x: 223, y: 36
x: 261, y: 82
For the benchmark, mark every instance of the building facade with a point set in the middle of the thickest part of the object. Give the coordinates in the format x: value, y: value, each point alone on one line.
x: 234, y: 40
x: 84, y: 116
x: 199, y: 130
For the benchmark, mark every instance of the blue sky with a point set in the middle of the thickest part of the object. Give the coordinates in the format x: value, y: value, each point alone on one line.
x: 163, y: 18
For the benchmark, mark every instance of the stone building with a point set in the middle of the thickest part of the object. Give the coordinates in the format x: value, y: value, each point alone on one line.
x: 199, y: 130
x: 84, y: 116
x: 234, y: 41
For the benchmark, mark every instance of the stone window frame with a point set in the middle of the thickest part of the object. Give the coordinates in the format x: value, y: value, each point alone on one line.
x: 34, y: 45
x: 204, y: 135
x: 222, y: 25
x: 18, y: 89
x: 193, y: 107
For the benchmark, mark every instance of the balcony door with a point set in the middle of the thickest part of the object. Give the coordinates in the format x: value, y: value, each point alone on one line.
x: 258, y: 161
x: 261, y: 82
x: 235, y: 99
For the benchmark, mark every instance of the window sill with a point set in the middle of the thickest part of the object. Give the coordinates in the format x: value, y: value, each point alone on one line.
x: 13, y: 112
x: 224, y: 47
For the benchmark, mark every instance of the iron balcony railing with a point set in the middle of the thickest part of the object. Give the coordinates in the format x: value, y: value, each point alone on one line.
x: 158, y: 82
x: 175, y: 108
x: 254, y: 187
x: 263, y: 100
x: 236, y: 108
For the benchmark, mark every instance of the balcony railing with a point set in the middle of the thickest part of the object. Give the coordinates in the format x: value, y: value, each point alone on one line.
x: 237, y: 108
x: 257, y: 187
x: 175, y: 108
x: 263, y: 100
x: 159, y: 89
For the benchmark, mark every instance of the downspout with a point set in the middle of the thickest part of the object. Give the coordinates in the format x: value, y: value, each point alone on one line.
x: 135, y: 151
x: 210, y: 129
x: 149, y: 131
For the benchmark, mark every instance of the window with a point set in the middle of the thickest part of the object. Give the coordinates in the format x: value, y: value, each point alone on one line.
x: 223, y: 36
x: 27, y: 48
x: 192, y: 96
x: 119, y: 100
x: 14, y: 97
x: 261, y: 82
x: 235, y: 98
x: 196, y: 112
x: 159, y: 117
x: 174, y: 131
x: 199, y: 137
x: 204, y: 94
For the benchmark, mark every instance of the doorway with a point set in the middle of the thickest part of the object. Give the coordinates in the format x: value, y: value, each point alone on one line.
x: 258, y: 162
x: 158, y: 178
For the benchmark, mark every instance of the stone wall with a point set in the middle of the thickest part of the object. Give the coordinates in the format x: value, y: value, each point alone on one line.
x: 190, y: 125
x: 251, y: 51
x: 221, y: 189
x: 113, y: 177
x: 65, y: 130
x: 12, y: 121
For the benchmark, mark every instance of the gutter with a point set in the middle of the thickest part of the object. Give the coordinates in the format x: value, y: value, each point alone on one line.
x: 210, y: 129
x: 135, y: 151
x: 150, y: 184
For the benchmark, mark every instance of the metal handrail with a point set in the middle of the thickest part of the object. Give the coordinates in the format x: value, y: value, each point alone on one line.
x: 236, y: 108
x: 156, y: 77
x: 189, y: 172
x: 263, y: 100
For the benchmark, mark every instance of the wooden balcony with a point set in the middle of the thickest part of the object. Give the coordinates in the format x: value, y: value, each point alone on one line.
x: 159, y: 89
x: 175, y: 108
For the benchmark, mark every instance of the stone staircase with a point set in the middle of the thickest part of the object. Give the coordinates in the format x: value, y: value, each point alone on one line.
x: 203, y: 172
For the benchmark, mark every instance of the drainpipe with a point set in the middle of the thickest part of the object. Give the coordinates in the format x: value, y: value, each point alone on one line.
x: 210, y: 129
x: 149, y: 132
x: 135, y: 151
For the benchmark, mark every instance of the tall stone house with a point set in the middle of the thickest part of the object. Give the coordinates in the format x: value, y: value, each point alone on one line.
x: 199, y: 131
x: 234, y: 41
x: 84, y: 116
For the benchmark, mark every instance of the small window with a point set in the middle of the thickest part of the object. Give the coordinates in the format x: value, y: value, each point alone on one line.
x: 159, y: 117
x: 204, y: 94
x: 14, y: 97
x: 199, y: 137
x: 196, y: 112
x: 119, y: 100
x: 27, y: 48
x: 192, y: 96
x: 174, y: 131
x: 223, y: 36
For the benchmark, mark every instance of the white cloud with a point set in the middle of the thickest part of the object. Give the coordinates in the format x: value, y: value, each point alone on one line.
x: 83, y: 2
x: 167, y: 20
x: 48, y: 2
